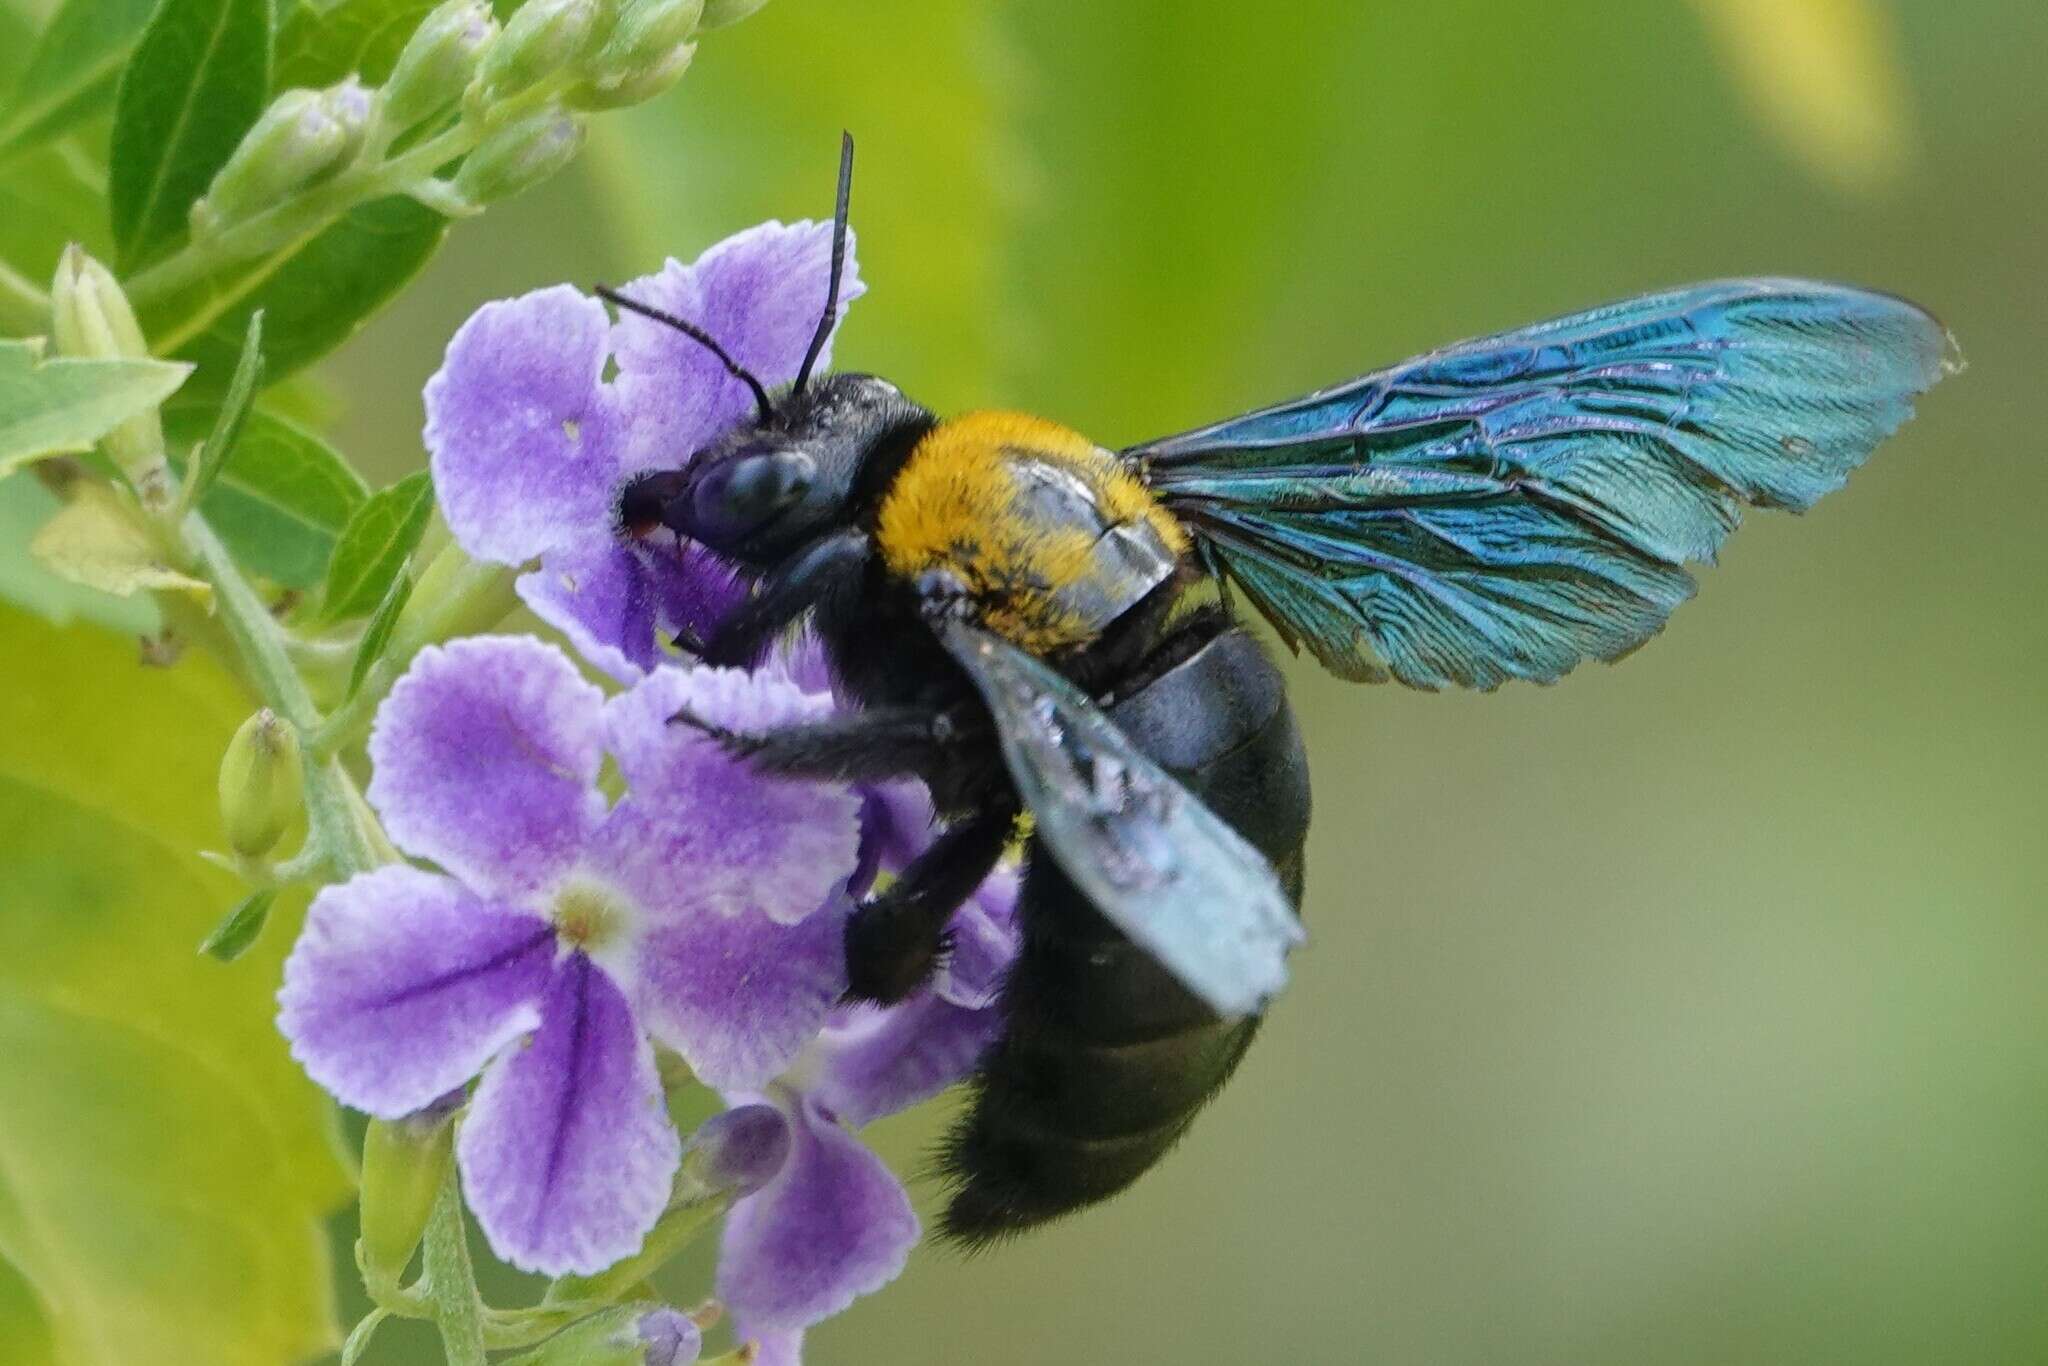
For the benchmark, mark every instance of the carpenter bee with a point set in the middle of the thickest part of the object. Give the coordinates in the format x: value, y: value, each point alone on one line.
x: 1008, y: 604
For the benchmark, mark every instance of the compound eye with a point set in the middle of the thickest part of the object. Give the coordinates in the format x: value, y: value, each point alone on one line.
x: 739, y: 496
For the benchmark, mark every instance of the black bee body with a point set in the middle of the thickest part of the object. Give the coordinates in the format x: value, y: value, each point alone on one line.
x: 1105, y: 1056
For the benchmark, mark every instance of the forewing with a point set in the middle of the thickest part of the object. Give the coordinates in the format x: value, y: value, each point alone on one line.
x: 1511, y: 506
x: 1163, y: 868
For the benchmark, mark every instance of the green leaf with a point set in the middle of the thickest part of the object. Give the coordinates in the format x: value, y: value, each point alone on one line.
x: 94, y: 541
x: 71, y: 73
x: 234, y: 411
x: 374, y: 547
x: 317, y: 46
x: 282, y: 502
x: 25, y: 505
x: 314, y: 294
x: 239, y: 928
x: 377, y: 634
x: 62, y: 406
x: 199, y: 78
x: 164, y: 1164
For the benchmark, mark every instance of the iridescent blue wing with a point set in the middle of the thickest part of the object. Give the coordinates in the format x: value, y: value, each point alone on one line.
x: 1511, y: 506
x: 1156, y: 861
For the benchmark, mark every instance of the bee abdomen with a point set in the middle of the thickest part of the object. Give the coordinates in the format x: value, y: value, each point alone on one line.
x: 1106, y: 1058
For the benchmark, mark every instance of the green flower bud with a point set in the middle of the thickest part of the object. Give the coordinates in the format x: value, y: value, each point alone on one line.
x: 438, y: 61
x: 404, y: 1163
x: 541, y: 39
x: 303, y: 136
x: 647, y: 31
x: 259, y: 784
x: 633, y: 84
x: 519, y: 157
x: 91, y: 317
x: 719, y: 13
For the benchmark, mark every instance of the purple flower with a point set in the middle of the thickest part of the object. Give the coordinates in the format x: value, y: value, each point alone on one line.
x: 833, y: 1223
x: 703, y: 909
x: 531, y: 443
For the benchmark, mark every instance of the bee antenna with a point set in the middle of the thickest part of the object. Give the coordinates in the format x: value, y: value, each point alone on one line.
x: 702, y: 338
x: 831, y: 314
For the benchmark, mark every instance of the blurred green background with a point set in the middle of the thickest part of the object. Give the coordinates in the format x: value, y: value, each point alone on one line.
x: 1691, y: 1011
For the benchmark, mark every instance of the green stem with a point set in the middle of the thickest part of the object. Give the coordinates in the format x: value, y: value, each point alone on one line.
x: 450, y: 1281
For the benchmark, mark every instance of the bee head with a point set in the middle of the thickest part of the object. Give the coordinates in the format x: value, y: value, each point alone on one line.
x: 765, y: 487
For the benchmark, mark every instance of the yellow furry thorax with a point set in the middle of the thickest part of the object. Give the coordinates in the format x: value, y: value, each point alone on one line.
x: 955, y: 506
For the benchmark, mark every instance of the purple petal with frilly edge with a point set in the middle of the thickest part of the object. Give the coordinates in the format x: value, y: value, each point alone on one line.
x: 485, y: 759
x: 523, y: 436
x: 760, y: 292
x: 404, y: 983
x: 567, y: 1154
x: 834, y: 1225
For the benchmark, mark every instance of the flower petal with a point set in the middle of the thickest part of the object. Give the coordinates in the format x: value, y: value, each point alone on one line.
x: 835, y: 1224
x: 707, y: 833
x: 568, y: 1155
x: 404, y: 983
x: 485, y: 760
x: 760, y: 293
x: 740, y: 996
x: 524, y: 437
x: 875, y: 1062
x: 899, y: 820
x: 615, y: 600
x: 598, y: 596
x: 983, y: 939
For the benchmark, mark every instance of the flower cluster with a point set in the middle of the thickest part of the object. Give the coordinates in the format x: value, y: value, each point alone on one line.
x: 575, y: 928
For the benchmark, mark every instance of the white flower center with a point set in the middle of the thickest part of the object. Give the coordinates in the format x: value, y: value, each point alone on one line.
x: 591, y: 916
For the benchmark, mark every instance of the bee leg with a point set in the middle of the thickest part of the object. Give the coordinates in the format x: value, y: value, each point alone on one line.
x: 832, y: 563
x: 894, y: 939
x: 858, y: 746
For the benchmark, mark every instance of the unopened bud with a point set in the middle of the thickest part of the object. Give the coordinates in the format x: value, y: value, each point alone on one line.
x: 438, y: 61
x: 647, y: 31
x: 719, y: 13
x: 302, y: 136
x: 519, y: 157
x: 259, y: 784
x: 633, y: 84
x: 631, y: 1335
x: 644, y: 54
x: 542, y: 38
x: 91, y: 317
x: 404, y: 1163
x: 738, y: 1150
